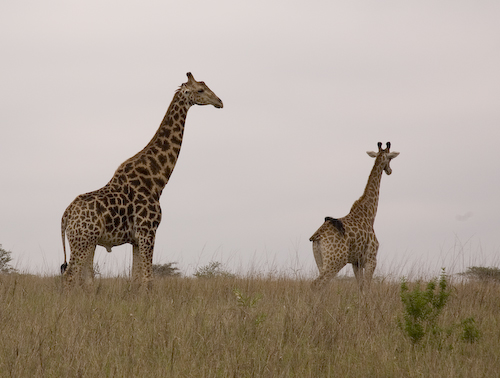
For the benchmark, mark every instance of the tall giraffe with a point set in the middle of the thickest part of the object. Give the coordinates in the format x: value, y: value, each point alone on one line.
x: 351, y: 239
x: 127, y: 209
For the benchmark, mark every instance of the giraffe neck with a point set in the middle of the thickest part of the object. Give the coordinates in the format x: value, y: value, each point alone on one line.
x: 366, y: 205
x: 166, y: 143
x: 150, y: 169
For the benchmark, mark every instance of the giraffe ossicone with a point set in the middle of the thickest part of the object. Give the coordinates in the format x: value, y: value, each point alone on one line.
x: 352, y: 239
x: 127, y: 209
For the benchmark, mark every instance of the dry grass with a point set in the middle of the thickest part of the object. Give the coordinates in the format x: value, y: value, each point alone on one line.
x: 187, y: 327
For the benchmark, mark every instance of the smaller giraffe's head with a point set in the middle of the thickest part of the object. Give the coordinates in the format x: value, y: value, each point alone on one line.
x: 384, y: 157
x: 198, y: 93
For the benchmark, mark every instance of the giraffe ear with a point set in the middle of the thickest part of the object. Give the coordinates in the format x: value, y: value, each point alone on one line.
x: 392, y: 155
x: 372, y: 154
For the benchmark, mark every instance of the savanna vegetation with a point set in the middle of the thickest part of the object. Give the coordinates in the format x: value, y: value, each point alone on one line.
x: 5, y: 261
x: 227, y: 326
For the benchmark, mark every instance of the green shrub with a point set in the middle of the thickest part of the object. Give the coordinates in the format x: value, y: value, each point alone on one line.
x: 246, y: 303
x: 166, y: 270
x: 213, y: 269
x: 470, y: 333
x: 482, y: 273
x: 5, y: 260
x: 422, y: 307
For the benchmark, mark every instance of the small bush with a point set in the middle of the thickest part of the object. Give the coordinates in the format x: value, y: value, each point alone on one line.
x: 482, y: 273
x: 5, y: 260
x: 213, y: 269
x: 421, y: 308
x: 470, y: 333
x: 166, y: 270
x: 247, y: 303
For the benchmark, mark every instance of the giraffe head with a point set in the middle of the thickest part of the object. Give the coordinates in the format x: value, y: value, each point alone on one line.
x: 384, y: 157
x: 197, y: 93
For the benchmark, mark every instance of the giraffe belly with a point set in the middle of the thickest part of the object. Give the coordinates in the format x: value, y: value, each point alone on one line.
x: 108, y: 244
x: 113, y: 238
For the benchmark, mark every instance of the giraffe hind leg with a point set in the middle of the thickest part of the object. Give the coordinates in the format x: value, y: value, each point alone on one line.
x: 329, y: 271
x: 318, y: 255
x: 334, y: 257
x: 80, y: 269
x: 325, y: 277
x: 358, y: 273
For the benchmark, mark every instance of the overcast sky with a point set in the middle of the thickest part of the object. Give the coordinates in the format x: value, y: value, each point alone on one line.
x: 308, y: 87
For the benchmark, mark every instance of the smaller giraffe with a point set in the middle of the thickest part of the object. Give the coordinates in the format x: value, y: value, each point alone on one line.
x: 351, y: 239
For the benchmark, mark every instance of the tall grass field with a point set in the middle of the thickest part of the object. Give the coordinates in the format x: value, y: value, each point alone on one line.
x: 240, y: 327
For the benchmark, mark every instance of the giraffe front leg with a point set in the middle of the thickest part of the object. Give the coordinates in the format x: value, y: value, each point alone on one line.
x: 136, y: 263
x: 78, y: 267
x: 145, y: 249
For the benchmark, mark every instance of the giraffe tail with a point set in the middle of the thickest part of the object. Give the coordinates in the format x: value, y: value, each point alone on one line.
x: 64, y: 224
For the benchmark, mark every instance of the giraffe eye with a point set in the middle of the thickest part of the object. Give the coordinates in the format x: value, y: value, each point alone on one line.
x: 200, y: 90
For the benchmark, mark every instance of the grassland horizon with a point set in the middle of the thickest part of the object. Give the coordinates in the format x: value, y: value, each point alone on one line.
x: 235, y: 327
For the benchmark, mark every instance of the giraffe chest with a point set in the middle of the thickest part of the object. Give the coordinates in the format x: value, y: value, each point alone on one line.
x: 116, y: 228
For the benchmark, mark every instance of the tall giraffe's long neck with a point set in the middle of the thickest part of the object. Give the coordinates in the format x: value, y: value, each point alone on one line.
x: 150, y: 169
x: 166, y: 143
x: 366, y: 205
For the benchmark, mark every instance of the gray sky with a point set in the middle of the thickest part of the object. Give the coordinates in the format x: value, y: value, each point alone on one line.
x: 308, y: 88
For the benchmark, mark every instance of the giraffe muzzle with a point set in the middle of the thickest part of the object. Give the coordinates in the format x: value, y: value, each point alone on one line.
x: 219, y: 105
